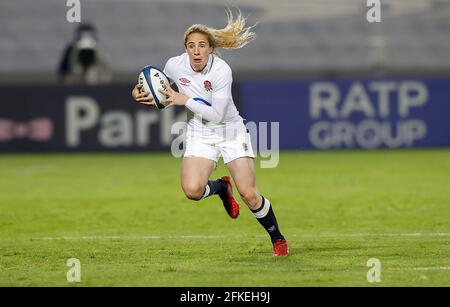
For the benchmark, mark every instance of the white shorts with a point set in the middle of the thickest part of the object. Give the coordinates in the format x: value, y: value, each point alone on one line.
x: 230, y: 142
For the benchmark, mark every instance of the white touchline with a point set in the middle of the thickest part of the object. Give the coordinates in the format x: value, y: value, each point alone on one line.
x: 126, y: 237
x: 418, y: 234
x: 436, y: 268
x: 325, y: 235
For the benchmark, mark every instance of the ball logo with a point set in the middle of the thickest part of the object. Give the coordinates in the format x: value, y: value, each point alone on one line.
x: 141, y: 81
x: 161, y: 81
x: 208, y: 86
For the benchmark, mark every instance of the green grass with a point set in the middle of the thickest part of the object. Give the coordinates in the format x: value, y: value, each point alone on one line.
x: 125, y: 218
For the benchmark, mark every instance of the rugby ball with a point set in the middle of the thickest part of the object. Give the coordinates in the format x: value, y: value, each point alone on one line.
x: 153, y: 80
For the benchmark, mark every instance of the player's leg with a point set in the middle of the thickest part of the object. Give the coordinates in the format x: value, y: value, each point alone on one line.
x: 200, y: 160
x: 243, y: 172
x: 195, y: 172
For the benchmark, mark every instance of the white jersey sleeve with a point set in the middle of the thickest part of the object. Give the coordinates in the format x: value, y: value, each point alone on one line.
x: 215, y: 110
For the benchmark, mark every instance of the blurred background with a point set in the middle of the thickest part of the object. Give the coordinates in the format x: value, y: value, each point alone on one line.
x: 331, y: 78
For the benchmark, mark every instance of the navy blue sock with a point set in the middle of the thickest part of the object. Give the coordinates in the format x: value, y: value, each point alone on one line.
x: 266, y: 217
x: 214, y: 187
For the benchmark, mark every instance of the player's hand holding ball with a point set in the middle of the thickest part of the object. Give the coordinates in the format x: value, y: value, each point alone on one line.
x: 141, y: 96
x: 174, y: 98
x: 152, y: 88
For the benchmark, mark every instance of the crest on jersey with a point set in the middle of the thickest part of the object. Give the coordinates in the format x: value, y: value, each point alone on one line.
x: 185, y: 82
x: 208, y: 86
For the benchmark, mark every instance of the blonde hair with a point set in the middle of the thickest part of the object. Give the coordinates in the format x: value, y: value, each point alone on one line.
x: 234, y: 36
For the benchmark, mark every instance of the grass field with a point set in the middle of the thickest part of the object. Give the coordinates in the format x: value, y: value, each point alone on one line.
x: 125, y: 218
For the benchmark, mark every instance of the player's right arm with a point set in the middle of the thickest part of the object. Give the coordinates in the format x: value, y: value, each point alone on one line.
x: 143, y: 98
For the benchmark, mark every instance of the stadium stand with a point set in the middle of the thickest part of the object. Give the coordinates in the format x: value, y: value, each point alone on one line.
x: 292, y: 35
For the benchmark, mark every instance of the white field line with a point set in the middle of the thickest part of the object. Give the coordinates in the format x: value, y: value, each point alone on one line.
x: 338, y: 235
x: 434, y: 268
x: 150, y: 237
x: 33, y: 169
x: 416, y: 234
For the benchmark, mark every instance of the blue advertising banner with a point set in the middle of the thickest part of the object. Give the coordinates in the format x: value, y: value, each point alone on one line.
x: 81, y: 118
x: 291, y: 114
x: 339, y: 114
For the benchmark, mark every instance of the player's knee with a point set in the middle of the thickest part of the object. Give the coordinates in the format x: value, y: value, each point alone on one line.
x: 193, y: 192
x: 249, y: 196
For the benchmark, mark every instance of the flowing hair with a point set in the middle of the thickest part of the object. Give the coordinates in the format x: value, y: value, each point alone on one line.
x: 234, y: 36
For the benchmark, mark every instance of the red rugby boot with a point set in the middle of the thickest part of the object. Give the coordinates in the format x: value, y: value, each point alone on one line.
x: 229, y: 202
x: 280, y: 248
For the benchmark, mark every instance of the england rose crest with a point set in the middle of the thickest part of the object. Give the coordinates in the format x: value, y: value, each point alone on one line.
x: 208, y: 86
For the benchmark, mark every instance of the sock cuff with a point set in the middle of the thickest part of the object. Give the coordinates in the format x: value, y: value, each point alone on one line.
x: 262, y: 205
x: 262, y: 211
x: 207, y: 191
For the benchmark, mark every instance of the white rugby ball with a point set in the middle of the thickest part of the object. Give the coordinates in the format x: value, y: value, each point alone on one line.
x: 153, y: 80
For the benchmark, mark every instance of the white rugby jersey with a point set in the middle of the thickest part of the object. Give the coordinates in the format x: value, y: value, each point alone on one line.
x: 209, y: 90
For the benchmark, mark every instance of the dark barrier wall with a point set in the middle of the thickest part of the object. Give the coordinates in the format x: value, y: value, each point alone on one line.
x: 66, y: 118
x: 321, y: 114
x: 312, y: 114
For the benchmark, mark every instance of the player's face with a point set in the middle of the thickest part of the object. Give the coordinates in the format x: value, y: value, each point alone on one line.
x: 198, y: 49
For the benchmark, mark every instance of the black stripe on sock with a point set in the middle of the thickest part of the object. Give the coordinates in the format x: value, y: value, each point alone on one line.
x: 260, y: 208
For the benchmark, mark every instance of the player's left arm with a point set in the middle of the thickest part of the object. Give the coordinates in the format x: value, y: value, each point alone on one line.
x: 215, y: 110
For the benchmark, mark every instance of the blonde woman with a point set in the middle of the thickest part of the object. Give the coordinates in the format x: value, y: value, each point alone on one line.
x: 214, y: 127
